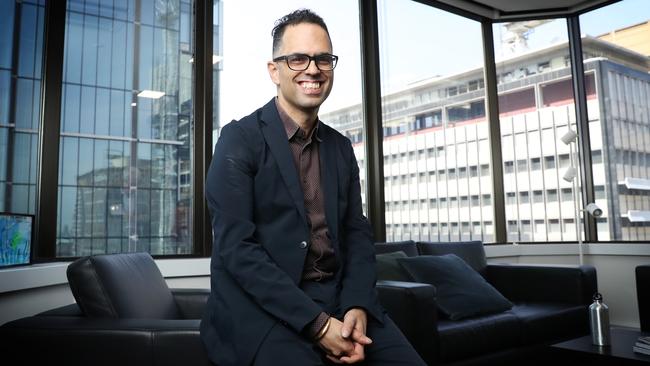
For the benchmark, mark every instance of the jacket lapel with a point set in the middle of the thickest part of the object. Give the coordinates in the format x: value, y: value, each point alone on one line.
x: 329, y: 178
x: 276, y: 139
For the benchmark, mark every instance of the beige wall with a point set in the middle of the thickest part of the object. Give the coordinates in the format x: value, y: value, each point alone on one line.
x: 636, y: 38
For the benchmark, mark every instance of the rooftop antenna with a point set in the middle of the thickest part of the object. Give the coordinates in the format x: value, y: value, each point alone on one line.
x: 515, y: 38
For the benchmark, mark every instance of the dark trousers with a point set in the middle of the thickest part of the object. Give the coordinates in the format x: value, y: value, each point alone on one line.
x: 283, y: 346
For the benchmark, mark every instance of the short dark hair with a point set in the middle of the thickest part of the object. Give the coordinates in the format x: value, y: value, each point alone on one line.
x: 294, y: 18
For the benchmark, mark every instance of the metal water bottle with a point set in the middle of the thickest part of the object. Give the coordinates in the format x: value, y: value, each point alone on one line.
x: 599, y: 321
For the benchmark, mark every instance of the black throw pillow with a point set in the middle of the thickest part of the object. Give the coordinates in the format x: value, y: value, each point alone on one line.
x: 461, y: 291
x: 389, y: 269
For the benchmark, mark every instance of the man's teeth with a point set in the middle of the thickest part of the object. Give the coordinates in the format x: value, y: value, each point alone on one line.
x: 311, y: 85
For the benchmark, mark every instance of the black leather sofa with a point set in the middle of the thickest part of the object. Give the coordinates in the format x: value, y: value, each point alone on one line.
x: 124, y: 315
x: 549, y: 305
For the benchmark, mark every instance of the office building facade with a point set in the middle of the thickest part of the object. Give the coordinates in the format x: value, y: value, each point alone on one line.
x: 437, y: 158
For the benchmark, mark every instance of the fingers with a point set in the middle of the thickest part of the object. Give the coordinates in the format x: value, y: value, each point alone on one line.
x: 334, y: 359
x: 360, y: 338
x: 349, y: 323
x: 356, y: 356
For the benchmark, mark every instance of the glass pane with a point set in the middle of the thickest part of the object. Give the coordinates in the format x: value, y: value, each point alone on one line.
x: 536, y: 108
x: 241, y: 80
x: 21, y: 45
x: 436, y: 152
x: 618, y: 99
x: 118, y: 144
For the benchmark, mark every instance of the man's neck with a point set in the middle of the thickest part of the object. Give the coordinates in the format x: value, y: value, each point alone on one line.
x: 306, y: 120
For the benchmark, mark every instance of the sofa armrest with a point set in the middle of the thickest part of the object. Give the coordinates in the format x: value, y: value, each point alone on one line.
x: 191, y: 302
x: 412, y: 306
x: 544, y: 283
x: 64, y: 340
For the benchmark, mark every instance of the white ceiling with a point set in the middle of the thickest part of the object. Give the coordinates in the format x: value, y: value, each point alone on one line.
x: 505, y: 9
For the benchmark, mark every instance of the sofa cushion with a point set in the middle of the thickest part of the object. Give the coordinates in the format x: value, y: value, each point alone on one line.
x: 472, y: 252
x: 407, y: 246
x: 467, y: 338
x: 388, y: 268
x: 461, y: 291
x: 551, y: 322
x: 126, y: 285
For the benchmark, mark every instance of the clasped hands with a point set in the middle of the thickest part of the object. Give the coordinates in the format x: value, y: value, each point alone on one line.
x: 344, y: 342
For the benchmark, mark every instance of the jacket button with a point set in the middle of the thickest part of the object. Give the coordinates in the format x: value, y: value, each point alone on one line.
x: 303, y: 245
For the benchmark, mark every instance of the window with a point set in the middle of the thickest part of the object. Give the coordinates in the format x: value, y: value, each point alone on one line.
x: 533, y: 53
x: 522, y: 165
x: 487, y: 200
x: 564, y: 160
x: 618, y: 114
x: 422, y: 24
x: 535, y: 164
x: 567, y: 194
x: 121, y: 186
x: 508, y: 167
x: 549, y: 162
x: 21, y: 39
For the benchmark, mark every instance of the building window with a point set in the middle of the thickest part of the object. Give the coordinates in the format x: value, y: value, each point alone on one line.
x: 549, y: 162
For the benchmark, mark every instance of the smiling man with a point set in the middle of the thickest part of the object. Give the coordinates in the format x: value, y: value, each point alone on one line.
x: 293, y: 267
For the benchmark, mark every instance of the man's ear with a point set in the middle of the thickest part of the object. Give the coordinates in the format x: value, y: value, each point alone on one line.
x: 273, y: 72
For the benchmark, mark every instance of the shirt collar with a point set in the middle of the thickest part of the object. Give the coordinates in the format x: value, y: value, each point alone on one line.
x: 291, y: 127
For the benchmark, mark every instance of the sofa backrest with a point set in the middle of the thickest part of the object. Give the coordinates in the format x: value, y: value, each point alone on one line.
x: 407, y: 246
x: 472, y: 252
x: 127, y: 285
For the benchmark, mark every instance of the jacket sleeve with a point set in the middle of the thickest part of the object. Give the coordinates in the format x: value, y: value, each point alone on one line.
x: 359, y: 273
x: 230, y: 197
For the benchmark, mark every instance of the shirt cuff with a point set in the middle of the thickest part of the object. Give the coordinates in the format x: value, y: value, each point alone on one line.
x: 317, y: 324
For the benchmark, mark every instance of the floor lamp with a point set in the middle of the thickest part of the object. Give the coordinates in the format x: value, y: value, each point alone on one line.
x: 570, y: 175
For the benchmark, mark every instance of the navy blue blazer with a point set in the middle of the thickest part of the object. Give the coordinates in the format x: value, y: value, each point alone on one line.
x: 260, y: 229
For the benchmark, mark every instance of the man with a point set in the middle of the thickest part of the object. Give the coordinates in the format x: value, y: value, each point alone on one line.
x: 293, y: 267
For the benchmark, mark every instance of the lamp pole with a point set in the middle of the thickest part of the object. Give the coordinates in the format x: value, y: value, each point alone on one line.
x: 576, y: 204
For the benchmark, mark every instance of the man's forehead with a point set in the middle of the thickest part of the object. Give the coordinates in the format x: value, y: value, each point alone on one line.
x: 306, y: 35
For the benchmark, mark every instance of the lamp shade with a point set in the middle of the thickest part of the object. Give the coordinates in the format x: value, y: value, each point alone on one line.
x: 569, y: 174
x: 569, y: 136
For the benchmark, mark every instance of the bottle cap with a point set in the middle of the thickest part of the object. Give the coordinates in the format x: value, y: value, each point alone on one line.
x: 598, y: 297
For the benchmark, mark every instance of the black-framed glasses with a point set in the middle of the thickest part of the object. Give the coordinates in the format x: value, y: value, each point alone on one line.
x: 300, y: 61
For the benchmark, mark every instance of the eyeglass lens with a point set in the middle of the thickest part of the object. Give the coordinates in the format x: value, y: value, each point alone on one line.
x: 301, y: 62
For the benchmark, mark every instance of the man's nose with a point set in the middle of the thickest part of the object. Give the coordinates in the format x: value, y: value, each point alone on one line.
x: 312, y: 68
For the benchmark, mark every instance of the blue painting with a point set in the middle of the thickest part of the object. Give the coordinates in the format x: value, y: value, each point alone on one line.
x: 15, y: 239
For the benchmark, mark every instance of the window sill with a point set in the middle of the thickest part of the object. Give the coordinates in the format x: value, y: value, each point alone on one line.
x: 622, y: 249
x: 51, y: 274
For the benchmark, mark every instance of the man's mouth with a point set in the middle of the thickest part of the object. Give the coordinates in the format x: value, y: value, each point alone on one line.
x: 310, y: 86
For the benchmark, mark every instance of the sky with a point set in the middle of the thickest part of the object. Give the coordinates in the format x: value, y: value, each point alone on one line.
x: 416, y: 42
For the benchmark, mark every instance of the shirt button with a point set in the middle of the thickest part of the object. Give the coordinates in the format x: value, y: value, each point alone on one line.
x: 303, y: 245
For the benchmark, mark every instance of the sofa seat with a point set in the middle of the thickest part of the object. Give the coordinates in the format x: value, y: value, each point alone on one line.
x: 460, y: 339
x: 550, y: 321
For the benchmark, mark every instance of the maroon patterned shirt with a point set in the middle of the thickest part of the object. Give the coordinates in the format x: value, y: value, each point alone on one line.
x: 320, y: 263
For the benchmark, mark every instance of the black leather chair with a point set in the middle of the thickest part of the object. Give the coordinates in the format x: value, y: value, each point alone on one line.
x: 124, y: 315
x: 643, y: 295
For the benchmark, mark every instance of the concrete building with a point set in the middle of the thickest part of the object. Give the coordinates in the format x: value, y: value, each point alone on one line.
x: 437, y: 158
